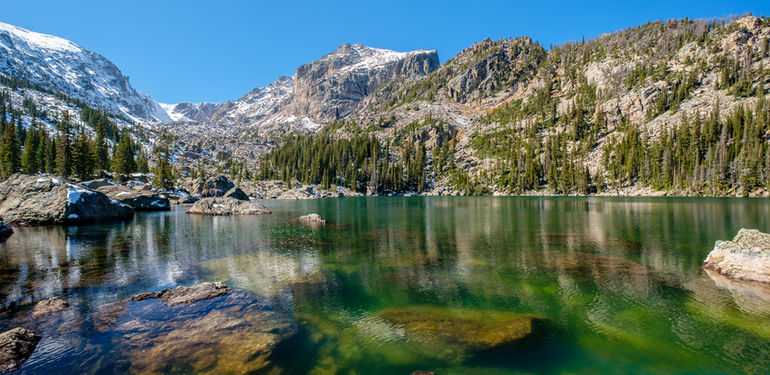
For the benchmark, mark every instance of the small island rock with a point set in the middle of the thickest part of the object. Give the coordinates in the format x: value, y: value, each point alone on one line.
x: 312, y: 219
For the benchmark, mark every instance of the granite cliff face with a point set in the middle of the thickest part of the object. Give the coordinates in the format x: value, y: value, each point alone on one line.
x: 330, y: 88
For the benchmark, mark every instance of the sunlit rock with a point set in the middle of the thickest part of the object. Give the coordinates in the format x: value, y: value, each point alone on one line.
x: 746, y: 257
x: 32, y: 200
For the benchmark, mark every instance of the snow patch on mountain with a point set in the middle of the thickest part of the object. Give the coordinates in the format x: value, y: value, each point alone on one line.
x: 62, y: 66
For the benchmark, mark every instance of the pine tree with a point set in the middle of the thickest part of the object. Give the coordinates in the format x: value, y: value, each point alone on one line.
x: 101, y: 151
x: 123, y: 162
x: 82, y: 157
x: 50, y: 155
x: 10, y: 158
x: 29, y: 161
x: 64, y: 152
x: 164, y: 176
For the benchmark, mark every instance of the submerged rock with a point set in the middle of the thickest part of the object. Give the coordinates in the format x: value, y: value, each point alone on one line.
x: 183, y: 295
x: 16, y: 345
x: 746, y: 257
x: 266, y: 272
x: 32, y: 200
x: 227, y: 206
x: 232, y: 334
x: 49, y: 306
x: 139, y: 199
x: 312, y: 219
x: 5, y: 230
x: 458, y: 333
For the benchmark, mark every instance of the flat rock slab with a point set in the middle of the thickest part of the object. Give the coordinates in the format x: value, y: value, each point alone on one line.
x: 16, y: 345
x: 49, y: 306
x: 183, y: 295
x: 746, y: 257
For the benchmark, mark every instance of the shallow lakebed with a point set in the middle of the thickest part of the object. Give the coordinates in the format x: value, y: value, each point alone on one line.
x: 391, y: 285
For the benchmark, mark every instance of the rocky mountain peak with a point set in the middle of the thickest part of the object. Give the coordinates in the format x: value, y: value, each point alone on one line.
x: 330, y: 88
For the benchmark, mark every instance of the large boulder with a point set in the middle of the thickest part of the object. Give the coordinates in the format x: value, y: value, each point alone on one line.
x: 227, y: 206
x: 32, y: 200
x: 16, y: 345
x: 746, y: 257
x: 139, y: 199
x: 211, y: 187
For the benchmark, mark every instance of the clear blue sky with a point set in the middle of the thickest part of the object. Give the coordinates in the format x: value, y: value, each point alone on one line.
x: 219, y: 50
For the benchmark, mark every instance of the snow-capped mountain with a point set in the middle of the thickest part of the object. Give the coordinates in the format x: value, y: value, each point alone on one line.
x: 62, y: 66
x: 324, y: 90
x: 256, y: 106
x: 331, y: 87
x: 199, y: 112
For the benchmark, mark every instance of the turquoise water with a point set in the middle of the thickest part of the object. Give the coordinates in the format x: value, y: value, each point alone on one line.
x: 618, y: 282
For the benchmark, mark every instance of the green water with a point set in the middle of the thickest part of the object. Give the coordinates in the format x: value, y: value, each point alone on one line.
x: 618, y: 281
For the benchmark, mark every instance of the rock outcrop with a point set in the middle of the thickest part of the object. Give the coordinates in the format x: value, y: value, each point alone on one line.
x: 746, y: 257
x: 182, y: 295
x: 227, y: 206
x: 49, y: 306
x: 16, y: 345
x: 31, y: 200
x: 211, y: 187
x: 312, y: 219
x: 139, y: 199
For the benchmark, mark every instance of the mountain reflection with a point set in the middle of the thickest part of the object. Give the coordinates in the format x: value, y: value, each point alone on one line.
x: 620, y: 280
